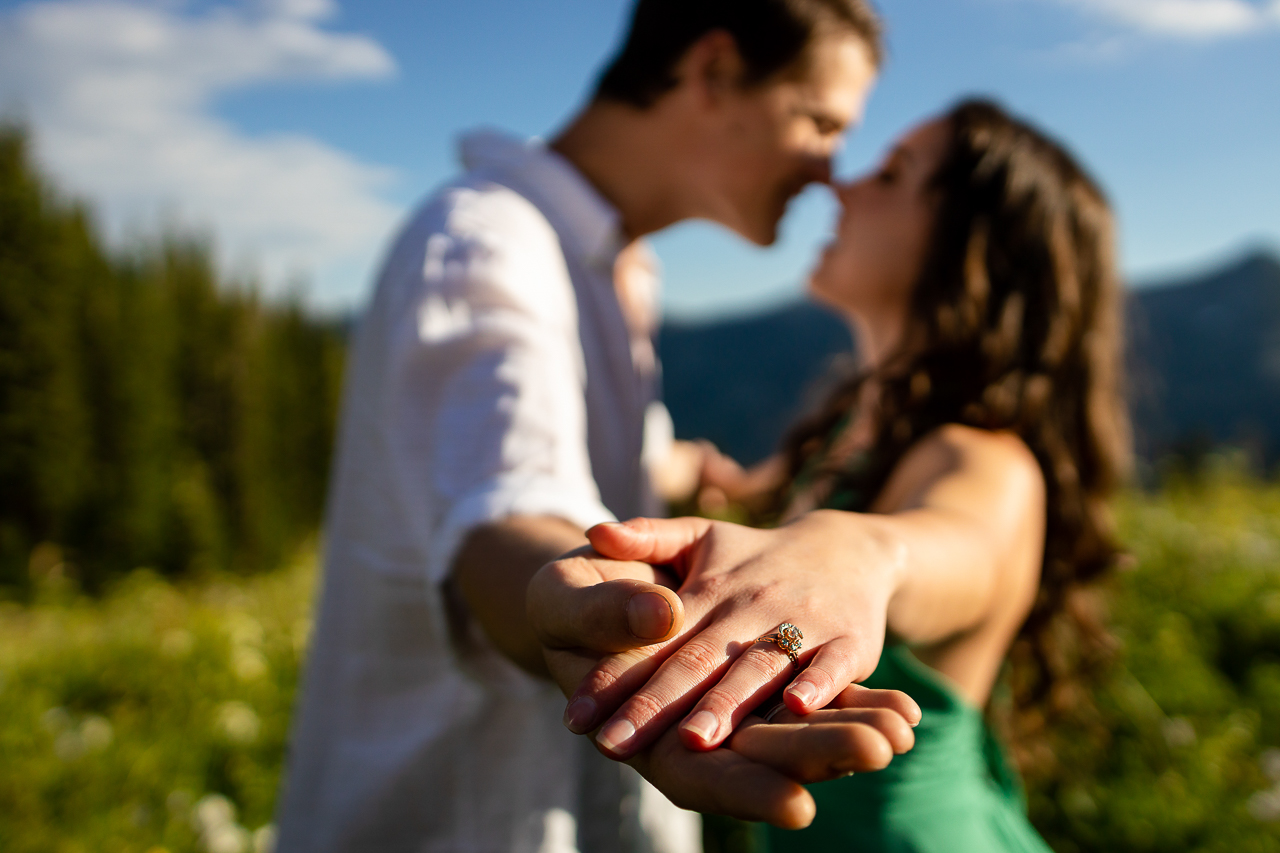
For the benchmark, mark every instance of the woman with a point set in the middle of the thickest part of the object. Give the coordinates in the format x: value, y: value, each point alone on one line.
x: 977, y: 268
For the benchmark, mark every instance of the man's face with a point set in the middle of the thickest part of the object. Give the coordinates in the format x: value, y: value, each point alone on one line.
x: 776, y: 138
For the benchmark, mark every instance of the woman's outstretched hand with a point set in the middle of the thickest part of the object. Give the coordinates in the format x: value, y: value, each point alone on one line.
x: 584, y: 602
x: 829, y: 573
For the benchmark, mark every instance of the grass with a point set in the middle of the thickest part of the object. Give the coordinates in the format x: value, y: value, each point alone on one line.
x: 155, y: 718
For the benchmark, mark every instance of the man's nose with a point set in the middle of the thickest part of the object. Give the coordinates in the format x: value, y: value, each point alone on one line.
x: 819, y: 169
x: 843, y: 191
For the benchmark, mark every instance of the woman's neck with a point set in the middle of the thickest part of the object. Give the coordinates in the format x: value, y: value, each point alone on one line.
x: 878, y: 339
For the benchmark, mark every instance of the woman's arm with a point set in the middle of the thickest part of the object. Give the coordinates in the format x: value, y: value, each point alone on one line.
x: 961, y: 540
x: 969, y: 507
x: 724, y: 481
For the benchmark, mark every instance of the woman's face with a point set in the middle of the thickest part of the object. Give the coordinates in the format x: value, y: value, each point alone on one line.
x: 883, y: 233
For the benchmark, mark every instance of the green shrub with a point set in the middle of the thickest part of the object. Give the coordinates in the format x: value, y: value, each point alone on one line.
x: 154, y: 717
x: 1183, y: 751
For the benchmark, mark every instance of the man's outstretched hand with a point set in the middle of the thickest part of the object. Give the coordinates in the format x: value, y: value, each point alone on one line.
x: 758, y: 774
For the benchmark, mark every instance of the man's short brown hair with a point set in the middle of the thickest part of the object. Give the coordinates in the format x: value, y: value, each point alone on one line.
x: 771, y: 36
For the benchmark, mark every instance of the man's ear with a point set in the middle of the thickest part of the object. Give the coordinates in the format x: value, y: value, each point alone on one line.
x: 711, y: 68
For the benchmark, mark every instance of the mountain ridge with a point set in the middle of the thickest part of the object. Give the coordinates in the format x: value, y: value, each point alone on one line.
x: 1203, y: 358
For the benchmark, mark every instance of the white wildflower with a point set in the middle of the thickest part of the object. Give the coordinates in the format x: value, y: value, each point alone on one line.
x: 264, y: 839
x: 55, y: 720
x: 96, y: 733
x: 212, y: 811
x: 248, y: 664
x: 228, y: 838
x: 1265, y: 805
x: 1269, y: 761
x: 69, y: 745
x: 238, y: 722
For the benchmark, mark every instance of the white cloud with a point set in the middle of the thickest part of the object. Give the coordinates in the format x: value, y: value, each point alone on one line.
x: 118, y: 95
x: 1194, y: 19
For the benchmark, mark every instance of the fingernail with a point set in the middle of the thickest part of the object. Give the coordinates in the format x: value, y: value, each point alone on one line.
x: 615, y: 735
x: 804, y: 691
x: 704, y: 724
x: 580, y: 714
x: 649, y: 615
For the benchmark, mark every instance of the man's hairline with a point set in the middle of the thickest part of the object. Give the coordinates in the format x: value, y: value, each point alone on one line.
x: 796, y: 70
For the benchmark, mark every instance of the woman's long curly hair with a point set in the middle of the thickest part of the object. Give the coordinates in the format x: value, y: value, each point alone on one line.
x: 1015, y: 324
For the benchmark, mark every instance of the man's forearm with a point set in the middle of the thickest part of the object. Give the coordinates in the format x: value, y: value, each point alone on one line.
x: 492, y: 572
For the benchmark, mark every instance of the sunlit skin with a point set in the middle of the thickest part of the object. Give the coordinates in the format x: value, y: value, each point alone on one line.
x: 886, y: 220
x: 774, y: 140
x: 948, y: 560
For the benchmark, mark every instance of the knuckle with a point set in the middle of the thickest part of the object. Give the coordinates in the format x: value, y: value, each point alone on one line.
x: 643, y: 707
x: 760, y: 594
x: 764, y: 663
x: 698, y: 659
x: 722, y: 701
x: 572, y: 567
x: 710, y: 586
x: 600, y: 680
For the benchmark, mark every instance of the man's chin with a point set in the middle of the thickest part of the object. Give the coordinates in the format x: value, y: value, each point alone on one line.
x: 764, y: 235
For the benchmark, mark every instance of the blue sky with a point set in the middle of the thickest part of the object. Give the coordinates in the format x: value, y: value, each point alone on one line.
x: 299, y: 132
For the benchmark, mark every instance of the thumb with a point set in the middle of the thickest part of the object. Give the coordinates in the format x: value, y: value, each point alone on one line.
x: 570, y: 607
x: 649, y: 540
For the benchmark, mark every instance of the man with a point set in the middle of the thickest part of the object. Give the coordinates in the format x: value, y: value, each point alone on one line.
x: 496, y: 407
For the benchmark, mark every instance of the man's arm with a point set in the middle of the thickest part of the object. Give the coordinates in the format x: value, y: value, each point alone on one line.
x: 492, y: 571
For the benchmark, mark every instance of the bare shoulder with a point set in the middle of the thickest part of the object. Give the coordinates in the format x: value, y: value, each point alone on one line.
x: 955, y: 461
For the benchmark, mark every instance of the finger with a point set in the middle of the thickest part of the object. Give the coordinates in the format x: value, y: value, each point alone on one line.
x: 686, y: 673
x: 836, y: 664
x: 568, y: 667
x: 815, y: 752
x: 857, y: 696
x: 570, y: 607
x: 724, y: 782
x: 650, y: 540
x: 895, y: 728
x: 755, y: 675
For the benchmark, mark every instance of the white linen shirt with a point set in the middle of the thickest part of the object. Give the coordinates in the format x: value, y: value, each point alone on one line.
x: 492, y: 375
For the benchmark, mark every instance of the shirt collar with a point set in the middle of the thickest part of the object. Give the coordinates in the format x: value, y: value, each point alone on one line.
x: 581, y: 215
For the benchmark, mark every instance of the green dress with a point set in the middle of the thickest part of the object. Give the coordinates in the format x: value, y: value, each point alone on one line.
x: 954, y: 792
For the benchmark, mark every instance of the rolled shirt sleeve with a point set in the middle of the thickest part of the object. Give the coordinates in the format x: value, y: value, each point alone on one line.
x: 487, y: 406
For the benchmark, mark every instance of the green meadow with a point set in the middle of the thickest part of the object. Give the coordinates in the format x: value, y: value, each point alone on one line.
x: 153, y: 717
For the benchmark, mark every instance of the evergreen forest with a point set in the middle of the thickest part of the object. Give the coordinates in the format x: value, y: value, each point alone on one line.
x: 151, y: 414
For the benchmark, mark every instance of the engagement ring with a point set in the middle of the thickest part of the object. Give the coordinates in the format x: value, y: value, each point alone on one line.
x: 787, y: 638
